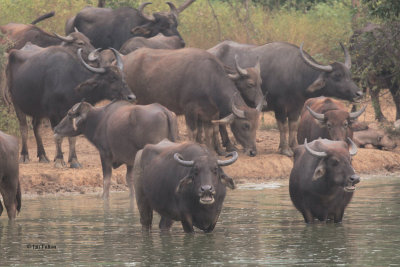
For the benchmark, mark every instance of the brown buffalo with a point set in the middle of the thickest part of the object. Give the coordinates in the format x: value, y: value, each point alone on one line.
x: 182, y: 182
x: 10, y: 187
x: 322, y: 180
x: 374, y: 137
x: 119, y: 130
x: 328, y: 118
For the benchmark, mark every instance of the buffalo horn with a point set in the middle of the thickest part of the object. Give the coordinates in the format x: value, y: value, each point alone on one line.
x: 318, y: 116
x: 117, y: 55
x: 96, y: 70
x: 313, y: 64
x: 76, y: 29
x: 173, y: 9
x: 237, y: 112
x: 67, y: 39
x: 242, y: 72
x: 355, y: 115
x: 140, y: 9
x: 227, y: 162
x: 187, y: 163
x: 94, y: 54
x: 353, y: 147
x: 262, y: 103
x: 313, y: 152
x: 347, y: 58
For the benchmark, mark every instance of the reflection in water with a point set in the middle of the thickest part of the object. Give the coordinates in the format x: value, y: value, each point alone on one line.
x: 258, y: 226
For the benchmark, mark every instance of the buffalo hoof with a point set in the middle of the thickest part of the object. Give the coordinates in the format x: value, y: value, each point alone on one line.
x: 286, y: 151
x: 59, y: 163
x: 43, y: 159
x: 24, y: 159
x: 74, y: 164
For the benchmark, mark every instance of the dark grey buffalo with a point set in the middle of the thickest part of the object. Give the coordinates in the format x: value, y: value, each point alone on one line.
x: 108, y: 27
x: 119, y: 130
x: 322, y: 180
x: 46, y: 82
x: 10, y: 188
x: 328, y: 118
x: 290, y: 76
x: 160, y: 41
x: 193, y: 82
x: 182, y: 182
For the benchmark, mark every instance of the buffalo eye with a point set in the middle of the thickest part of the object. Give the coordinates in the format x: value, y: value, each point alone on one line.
x: 334, y: 162
x: 250, y: 84
x: 380, y: 138
x: 329, y: 125
x: 345, y: 124
x: 246, y: 126
x: 337, y: 76
x: 80, y: 42
x: 215, y: 170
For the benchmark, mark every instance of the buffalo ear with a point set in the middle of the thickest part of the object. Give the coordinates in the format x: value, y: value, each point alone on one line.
x: 318, y: 84
x: 143, y: 31
x: 228, y: 181
x: 183, y: 182
x: 319, y: 171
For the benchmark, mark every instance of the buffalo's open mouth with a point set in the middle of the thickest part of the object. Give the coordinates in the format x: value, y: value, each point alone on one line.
x: 350, y: 188
x: 207, y: 199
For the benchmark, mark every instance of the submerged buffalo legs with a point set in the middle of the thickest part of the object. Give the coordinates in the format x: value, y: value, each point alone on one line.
x: 41, y: 154
x: 23, y: 127
x: 107, y: 170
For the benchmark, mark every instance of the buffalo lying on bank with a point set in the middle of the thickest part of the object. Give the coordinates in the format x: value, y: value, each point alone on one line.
x: 290, y: 76
x: 193, y: 82
x: 159, y: 41
x: 326, y: 118
x: 182, y: 182
x: 108, y: 27
x: 322, y: 180
x: 119, y: 130
x: 377, y: 138
x: 10, y: 188
x: 46, y: 82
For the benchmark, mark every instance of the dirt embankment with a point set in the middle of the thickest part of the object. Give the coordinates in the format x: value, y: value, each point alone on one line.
x: 41, y: 178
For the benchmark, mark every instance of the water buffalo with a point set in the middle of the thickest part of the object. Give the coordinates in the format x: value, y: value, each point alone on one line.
x: 182, y: 182
x: 328, y: 118
x: 108, y: 27
x: 193, y: 82
x: 375, y: 137
x: 322, y: 180
x: 159, y: 41
x: 10, y: 187
x: 290, y: 76
x: 119, y: 130
x: 19, y: 34
x: 46, y: 82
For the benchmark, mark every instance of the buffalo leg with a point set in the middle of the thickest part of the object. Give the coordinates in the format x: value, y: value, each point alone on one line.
x: 1, y: 208
x: 59, y: 158
x: 226, y: 142
x: 376, y: 105
x: 10, y: 201
x: 41, y: 154
x: 129, y: 180
x: 308, y: 217
x: 72, y: 158
x: 187, y: 224
x: 216, y: 141
x: 23, y: 127
x: 165, y: 223
x: 396, y: 99
x: 283, y: 142
x: 293, y: 126
x: 107, y: 170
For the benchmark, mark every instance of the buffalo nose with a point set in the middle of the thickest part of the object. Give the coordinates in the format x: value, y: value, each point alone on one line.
x: 131, y: 97
x: 252, y: 153
x: 205, y: 188
x: 355, y: 179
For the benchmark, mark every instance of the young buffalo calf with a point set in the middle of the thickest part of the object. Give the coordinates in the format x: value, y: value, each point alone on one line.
x: 119, y: 130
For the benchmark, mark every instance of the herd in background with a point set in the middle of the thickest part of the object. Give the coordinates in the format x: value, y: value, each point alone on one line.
x: 125, y: 55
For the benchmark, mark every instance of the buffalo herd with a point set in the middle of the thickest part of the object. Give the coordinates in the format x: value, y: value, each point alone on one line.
x: 125, y: 55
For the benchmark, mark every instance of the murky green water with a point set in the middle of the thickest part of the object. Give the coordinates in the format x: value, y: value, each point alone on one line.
x: 258, y: 226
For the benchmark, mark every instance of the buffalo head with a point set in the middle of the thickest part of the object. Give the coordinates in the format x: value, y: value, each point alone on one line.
x: 334, y: 166
x: 206, y: 175
x: 74, y: 122
x: 334, y: 79
x: 76, y: 40
x: 160, y: 22
x: 106, y: 83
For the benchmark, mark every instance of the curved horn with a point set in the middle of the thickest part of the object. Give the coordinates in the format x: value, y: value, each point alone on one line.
x: 117, y: 55
x: 173, y: 9
x: 313, y: 152
x: 227, y: 162
x: 92, y: 69
x: 237, y: 112
x: 140, y: 9
x: 76, y: 29
x: 94, y: 54
x: 347, y: 58
x: 187, y: 163
x: 353, y: 147
x: 355, y: 115
x: 318, y: 116
x: 311, y: 63
x: 67, y: 39
x: 242, y: 72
